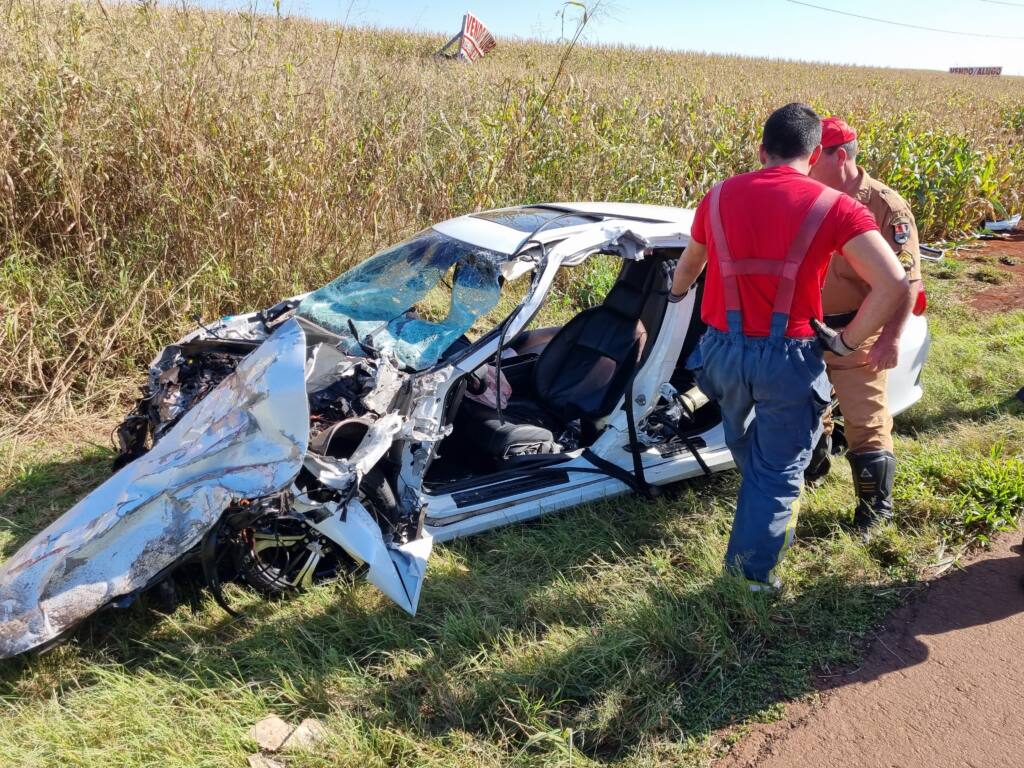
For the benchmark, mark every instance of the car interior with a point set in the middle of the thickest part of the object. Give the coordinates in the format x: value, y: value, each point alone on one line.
x: 565, y: 381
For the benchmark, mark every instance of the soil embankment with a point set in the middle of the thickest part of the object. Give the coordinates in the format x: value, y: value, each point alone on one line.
x: 941, y: 686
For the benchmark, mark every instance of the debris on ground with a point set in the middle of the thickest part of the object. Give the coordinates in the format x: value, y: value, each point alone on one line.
x: 259, y: 760
x: 1006, y: 225
x: 307, y: 736
x: 932, y: 253
x: 274, y: 734
x: 270, y: 733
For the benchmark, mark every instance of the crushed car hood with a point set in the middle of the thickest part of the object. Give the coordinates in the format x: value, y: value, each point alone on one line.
x: 246, y: 439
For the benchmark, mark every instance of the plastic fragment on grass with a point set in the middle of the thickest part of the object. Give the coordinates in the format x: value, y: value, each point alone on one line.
x: 1004, y: 225
x: 258, y: 760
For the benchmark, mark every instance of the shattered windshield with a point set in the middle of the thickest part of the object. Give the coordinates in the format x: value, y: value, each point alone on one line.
x: 413, y: 300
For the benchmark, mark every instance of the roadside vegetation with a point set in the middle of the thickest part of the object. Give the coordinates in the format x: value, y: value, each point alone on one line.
x: 158, y: 164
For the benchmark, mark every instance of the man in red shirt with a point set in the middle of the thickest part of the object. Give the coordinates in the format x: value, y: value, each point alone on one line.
x: 766, y: 238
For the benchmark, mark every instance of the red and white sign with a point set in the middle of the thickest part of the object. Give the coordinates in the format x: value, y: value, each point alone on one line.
x: 975, y: 70
x: 471, y: 43
x: 476, y: 39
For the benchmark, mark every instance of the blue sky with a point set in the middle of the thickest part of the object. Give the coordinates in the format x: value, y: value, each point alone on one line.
x: 775, y: 28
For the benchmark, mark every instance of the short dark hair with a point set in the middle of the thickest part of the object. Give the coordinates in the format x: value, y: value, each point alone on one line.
x: 792, y: 132
x: 851, y: 148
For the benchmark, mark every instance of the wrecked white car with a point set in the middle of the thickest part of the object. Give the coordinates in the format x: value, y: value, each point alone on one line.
x: 408, y: 401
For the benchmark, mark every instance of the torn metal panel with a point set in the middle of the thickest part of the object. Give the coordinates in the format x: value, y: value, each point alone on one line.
x: 387, y: 382
x: 245, y: 439
x: 410, y: 562
x: 338, y: 473
x: 326, y: 366
x: 247, y: 327
x: 334, y: 473
x: 428, y: 394
x: 513, y: 270
x: 616, y: 236
x: 376, y: 443
x: 396, y: 571
x: 670, y: 235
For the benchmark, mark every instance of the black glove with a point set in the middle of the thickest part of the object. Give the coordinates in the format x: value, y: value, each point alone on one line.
x: 832, y: 341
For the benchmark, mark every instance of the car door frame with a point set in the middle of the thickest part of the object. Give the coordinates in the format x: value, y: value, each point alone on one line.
x: 502, y: 498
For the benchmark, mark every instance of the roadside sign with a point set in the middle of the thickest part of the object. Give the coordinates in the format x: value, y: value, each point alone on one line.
x: 474, y: 41
x: 975, y: 70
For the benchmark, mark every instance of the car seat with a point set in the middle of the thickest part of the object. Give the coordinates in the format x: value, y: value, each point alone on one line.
x: 582, y: 373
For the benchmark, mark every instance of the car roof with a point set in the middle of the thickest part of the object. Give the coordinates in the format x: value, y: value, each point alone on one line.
x: 504, y: 229
x: 640, y: 211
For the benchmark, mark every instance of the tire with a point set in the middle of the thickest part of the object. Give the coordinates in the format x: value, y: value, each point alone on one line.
x: 265, y: 570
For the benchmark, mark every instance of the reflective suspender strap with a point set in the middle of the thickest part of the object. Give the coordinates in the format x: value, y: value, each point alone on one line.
x: 726, y: 265
x: 798, y: 249
x: 785, y: 269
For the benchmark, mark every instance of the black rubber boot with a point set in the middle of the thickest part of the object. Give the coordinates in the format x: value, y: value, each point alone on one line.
x: 873, y: 474
x: 821, y: 461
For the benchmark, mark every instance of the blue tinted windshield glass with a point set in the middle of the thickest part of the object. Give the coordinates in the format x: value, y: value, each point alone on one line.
x: 378, y: 298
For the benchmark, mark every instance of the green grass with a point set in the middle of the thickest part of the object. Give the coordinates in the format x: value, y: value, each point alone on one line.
x: 160, y: 163
x: 604, y: 635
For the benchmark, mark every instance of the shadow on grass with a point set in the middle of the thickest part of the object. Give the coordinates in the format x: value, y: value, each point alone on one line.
x: 42, y: 492
x: 921, y: 422
x: 607, y: 621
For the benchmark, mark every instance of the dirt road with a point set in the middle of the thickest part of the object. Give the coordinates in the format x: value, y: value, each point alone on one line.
x: 942, y: 686
x: 1007, y: 256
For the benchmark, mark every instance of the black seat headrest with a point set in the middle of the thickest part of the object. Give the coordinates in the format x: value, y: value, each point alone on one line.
x: 625, y: 300
x: 634, y: 287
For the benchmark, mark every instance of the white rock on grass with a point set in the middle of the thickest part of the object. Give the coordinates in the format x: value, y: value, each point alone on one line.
x: 309, y: 734
x: 261, y: 761
x: 270, y: 733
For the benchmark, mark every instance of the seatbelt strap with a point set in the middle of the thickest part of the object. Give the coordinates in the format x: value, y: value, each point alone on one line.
x: 634, y: 443
x: 605, y: 467
x: 635, y: 479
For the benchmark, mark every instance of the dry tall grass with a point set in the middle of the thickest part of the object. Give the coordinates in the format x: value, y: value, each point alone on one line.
x: 155, y: 164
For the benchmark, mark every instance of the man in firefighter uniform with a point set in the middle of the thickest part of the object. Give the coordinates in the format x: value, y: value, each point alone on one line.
x: 766, y: 238
x: 859, y: 379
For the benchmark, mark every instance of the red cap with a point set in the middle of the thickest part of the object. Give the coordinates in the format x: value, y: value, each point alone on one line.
x: 835, y: 132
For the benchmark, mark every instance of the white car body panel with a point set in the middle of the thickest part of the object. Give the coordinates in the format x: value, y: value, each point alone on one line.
x: 408, y: 434
x: 651, y: 213
x: 903, y: 387
x: 482, y: 233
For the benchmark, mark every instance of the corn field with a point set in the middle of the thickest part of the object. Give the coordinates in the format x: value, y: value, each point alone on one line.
x: 157, y: 164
